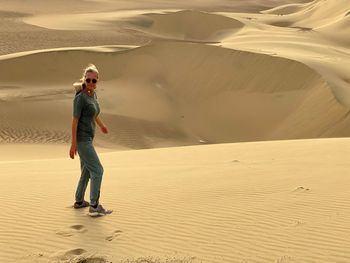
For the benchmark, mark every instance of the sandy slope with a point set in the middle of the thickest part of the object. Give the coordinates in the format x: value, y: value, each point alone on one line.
x: 315, y: 35
x: 283, y: 201
x: 178, y: 73
x: 206, y: 105
x: 220, y: 101
x: 329, y: 18
x: 68, y: 6
x: 286, y: 9
x: 17, y: 35
x: 315, y: 14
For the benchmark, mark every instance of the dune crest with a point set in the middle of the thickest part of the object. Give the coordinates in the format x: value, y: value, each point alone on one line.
x: 285, y: 9
x: 205, y: 105
x: 186, y: 25
x: 315, y: 14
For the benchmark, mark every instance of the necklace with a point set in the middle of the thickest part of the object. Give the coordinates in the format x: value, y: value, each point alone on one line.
x: 89, y: 92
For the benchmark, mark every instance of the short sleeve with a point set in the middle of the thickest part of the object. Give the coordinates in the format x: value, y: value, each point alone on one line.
x: 77, y: 106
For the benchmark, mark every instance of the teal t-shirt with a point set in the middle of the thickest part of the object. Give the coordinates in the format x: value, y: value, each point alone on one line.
x: 86, y: 108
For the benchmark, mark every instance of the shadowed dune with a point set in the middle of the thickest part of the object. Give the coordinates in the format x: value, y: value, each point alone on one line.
x: 186, y: 25
x: 316, y: 14
x: 216, y: 99
x: 285, y: 9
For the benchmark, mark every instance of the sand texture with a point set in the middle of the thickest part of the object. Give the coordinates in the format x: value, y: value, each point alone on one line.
x: 228, y: 125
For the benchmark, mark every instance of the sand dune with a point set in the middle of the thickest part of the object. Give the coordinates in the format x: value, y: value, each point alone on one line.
x: 66, y: 6
x: 184, y: 110
x: 54, y: 24
x: 292, y: 36
x: 16, y: 35
x: 286, y: 200
x: 338, y: 31
x: 286, y: 9
x: 178, y: 73
x: 315, y: 14
x: 186, y: 25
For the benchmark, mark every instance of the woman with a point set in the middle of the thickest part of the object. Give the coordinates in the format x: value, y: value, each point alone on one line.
x: 85, y: 113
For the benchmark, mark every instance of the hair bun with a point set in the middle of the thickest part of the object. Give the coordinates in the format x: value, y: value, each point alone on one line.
x: 78, y: 86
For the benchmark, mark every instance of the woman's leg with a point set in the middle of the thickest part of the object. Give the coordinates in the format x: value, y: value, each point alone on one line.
x: 84, y: 179
x: 93, y: 165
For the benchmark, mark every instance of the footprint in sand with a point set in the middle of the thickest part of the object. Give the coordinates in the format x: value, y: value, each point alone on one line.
x: 71, y: 230
x: 68, y: 254
x: 115, y: 234
x: 285, y: 259
x: 301, y: 189
x: 297, y: 222
x: 78, y: 255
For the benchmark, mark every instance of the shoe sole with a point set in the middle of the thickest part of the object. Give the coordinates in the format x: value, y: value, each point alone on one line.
x: 78, y: 207
x: 95, y: 214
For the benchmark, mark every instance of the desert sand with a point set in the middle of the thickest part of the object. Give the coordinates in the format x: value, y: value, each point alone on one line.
x: 228, y: 125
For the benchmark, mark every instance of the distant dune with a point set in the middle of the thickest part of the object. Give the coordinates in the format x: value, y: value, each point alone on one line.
x: 147, y: 103
x: 286, y: 9
x: 315, y: 14
x: 186, y: 25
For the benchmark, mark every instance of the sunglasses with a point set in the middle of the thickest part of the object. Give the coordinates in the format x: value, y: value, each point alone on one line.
x: 91, y: 80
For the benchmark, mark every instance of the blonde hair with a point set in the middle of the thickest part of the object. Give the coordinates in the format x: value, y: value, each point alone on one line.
x: 79, y: 85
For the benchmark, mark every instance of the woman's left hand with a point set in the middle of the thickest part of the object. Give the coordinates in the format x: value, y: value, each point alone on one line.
x: 104, y: 129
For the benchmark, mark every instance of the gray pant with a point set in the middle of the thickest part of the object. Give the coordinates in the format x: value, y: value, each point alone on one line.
x: 91, y: 168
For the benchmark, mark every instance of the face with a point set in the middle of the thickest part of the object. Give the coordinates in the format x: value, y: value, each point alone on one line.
x: 91, y: 76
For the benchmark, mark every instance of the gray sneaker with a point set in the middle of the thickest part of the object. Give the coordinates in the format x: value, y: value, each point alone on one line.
x: 99, y: 211
x: 82, y: 205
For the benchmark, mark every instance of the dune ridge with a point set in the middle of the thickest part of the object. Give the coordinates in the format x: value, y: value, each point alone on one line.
x: 186, y: 25
x: 286, y: 9
x: 315, y: 14
x: 188, y: 108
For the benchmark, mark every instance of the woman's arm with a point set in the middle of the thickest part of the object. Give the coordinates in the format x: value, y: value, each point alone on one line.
x: 101, y: 124
x: 73, y: 148
x: 99, y: 121
x: 75, y: 121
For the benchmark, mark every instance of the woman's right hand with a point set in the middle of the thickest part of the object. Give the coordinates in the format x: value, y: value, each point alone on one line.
x: 73, y: 150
